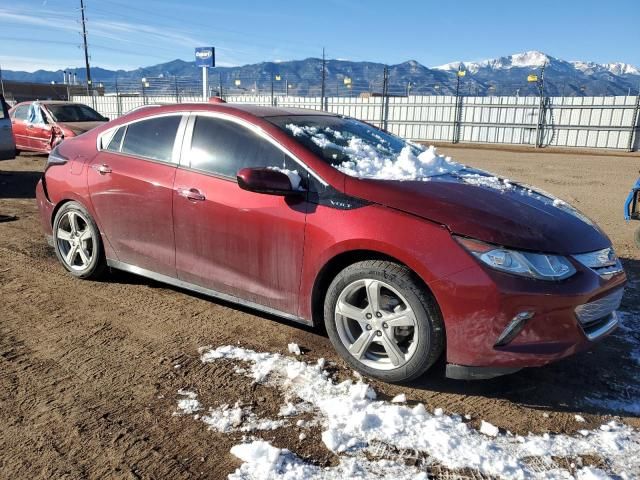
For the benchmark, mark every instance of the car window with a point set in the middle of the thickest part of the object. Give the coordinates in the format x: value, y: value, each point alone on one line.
x: 21, y: 112
x: 116, y: 141
x: 73, y: 113
x: 224, y: 147
x: 152, y: 138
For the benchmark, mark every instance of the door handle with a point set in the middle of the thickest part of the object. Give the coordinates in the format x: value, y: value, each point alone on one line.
x: 102, y: 169
x: 191, y: 194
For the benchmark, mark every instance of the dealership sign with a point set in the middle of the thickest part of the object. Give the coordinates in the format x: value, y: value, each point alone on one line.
x: 205, y: 57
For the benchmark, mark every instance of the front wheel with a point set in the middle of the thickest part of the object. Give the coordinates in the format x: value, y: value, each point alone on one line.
x: 383, y: 321
x: 77, y: 242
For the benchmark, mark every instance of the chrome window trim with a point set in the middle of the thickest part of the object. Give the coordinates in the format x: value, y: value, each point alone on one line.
x: 175, y: 153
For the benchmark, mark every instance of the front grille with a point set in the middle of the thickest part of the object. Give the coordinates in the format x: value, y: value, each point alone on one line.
x: 593, y: 311
x: 598, y: 317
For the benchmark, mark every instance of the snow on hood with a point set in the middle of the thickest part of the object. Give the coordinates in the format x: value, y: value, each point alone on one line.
x: 368, y: 163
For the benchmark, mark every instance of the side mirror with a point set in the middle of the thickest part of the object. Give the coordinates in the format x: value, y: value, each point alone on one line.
x: 265, y: 180
x: 106, y: 119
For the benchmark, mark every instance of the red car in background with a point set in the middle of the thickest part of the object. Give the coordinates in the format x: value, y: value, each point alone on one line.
x: 274, y: 209
x: 40, y: 126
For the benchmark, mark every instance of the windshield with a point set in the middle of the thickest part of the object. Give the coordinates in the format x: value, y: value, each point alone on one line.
x: 362, y: 150
x: 74, y: 113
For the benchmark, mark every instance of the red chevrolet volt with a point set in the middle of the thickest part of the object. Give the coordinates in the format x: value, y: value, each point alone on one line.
x: 401, y: 254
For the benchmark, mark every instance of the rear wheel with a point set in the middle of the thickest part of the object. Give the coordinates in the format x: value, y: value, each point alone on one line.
x: 77, y: 241
x: 383, y: 322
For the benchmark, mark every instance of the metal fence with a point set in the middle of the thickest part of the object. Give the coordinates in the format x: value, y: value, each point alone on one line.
x: 591, y: 122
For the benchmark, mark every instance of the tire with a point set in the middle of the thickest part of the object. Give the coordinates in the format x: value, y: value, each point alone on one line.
x: 75, y: 229
x: 407, y: 315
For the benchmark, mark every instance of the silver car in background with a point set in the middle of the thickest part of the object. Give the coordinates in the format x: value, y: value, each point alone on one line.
x: 7, y: 143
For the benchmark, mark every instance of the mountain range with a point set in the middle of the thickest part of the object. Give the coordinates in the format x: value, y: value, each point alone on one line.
x: 499, y: 76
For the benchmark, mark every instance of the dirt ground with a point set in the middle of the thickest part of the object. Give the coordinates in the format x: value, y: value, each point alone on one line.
x: 89, y: 370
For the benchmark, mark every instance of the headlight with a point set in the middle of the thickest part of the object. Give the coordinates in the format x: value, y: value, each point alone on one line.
x: 526, y: 264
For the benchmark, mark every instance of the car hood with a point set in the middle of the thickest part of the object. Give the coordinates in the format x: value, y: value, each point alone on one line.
x: 476, y: 204
x: 80, y: 127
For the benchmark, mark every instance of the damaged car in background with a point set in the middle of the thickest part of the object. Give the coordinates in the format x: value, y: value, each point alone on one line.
x: 402, y: 254
x: 40, y: 126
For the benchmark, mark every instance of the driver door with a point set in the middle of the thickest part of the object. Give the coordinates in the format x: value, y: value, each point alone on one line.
x: 241, y: 243
x: 39, y: 132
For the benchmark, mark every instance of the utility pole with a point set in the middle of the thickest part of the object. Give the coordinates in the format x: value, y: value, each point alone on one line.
x: 1, y: 82
x: 323, y: 80
x: 86, y: 47
x: 457, y: 111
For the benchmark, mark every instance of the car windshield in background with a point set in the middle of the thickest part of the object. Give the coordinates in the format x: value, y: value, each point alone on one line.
x: 74, y: 113
x: 362, y: 150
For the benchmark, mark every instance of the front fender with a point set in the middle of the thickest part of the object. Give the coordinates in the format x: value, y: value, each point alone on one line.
x: 415, y: 242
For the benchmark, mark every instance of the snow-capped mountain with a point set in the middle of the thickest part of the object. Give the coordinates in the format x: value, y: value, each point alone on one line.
x: 532, y: 59
x: 508, y: 74
x: 498, y: 76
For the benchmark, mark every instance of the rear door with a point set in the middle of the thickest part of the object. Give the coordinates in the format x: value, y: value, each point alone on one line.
x: 7, y: 144
x: 131, y: 188
x: 242, y: 243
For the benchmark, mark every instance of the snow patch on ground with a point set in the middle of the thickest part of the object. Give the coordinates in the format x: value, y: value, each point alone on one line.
x: 628, y: 395
x: 354, y: 423
x: 294, y: 349
x: 187, y: 405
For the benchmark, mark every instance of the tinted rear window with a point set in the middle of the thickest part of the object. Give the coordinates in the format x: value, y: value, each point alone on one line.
x: 153, y: 138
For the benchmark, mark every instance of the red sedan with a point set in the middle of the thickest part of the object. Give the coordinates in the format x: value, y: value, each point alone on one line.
x: 40, y: 126
x: 401, y: 254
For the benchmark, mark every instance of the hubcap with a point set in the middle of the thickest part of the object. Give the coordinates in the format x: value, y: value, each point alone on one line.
x: 76, y: 240
x: 376, y: 324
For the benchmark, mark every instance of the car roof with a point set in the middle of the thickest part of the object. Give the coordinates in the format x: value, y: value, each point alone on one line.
x: 261, y: 111
x: 252, y: 110
x: 50, y: 102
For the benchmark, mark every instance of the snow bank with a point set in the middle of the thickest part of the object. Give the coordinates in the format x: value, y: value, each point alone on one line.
x: 354, y: 422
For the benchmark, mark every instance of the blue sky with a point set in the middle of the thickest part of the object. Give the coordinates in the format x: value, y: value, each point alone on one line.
x: 126, y: 34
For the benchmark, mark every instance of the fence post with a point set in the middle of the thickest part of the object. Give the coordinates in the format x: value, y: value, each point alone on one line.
x: 634, y: 123
x: 384, y: 106
x: 118, y: 99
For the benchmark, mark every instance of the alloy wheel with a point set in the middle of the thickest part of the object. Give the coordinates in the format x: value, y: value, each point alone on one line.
x: 376, y: 324
x: 76, y: 240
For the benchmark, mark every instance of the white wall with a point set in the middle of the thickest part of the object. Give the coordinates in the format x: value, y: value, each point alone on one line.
x: 594, y: 122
